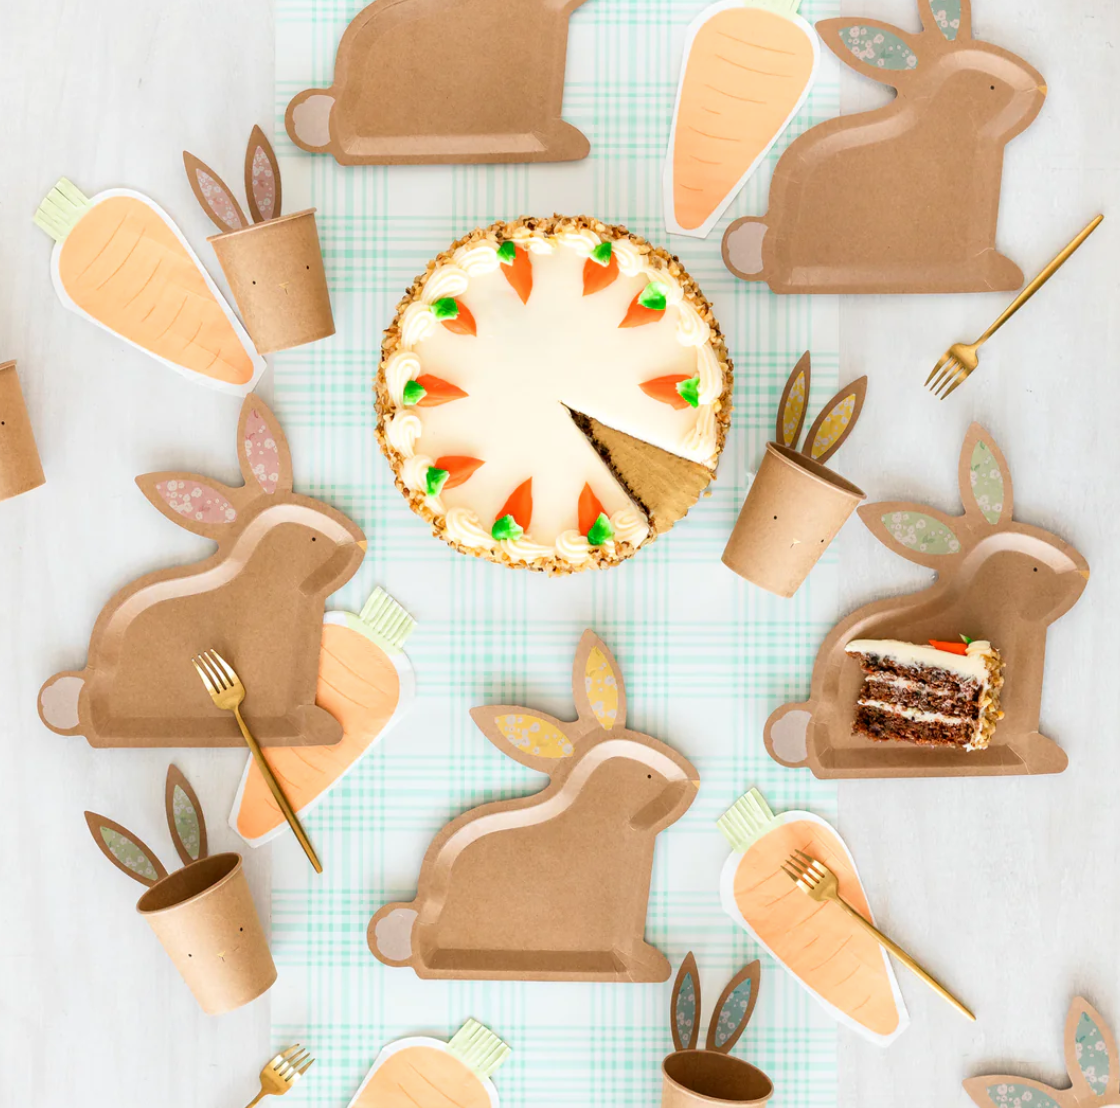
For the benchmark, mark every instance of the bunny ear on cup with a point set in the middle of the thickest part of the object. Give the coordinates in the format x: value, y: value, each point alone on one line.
x: 734, y: 1009
x: 217, y: 201
x: 184, y: 817
x: 262, y: 178
x: 131, y: 856
x: 836, y: 421
x: 794, y: 403
x: 684, y: 1007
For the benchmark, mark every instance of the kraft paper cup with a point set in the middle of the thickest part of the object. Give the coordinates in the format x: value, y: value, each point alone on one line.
x: 205, y: 917
x: 275, y: 271
x: 20, y: 468
x: 707, y: 1079
x: 793, y: 511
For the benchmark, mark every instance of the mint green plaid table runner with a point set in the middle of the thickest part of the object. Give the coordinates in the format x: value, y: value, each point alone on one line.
x: 705, y: 655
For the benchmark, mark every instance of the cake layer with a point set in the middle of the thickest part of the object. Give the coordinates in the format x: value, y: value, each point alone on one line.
x: 882, y: 726
x: 889, y: 689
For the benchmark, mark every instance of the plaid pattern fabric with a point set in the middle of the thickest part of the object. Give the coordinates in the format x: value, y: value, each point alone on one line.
x: 705, y: 655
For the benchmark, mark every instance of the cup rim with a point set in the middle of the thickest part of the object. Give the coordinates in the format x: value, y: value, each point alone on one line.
x: 234, y: 868
x: 225, y: 235
x: 820, y: 474
x: 702, y: 1097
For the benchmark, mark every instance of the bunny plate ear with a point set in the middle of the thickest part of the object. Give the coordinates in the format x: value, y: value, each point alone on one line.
x: 262, y: 448
x: 684, y: 1008
x: 914, y: 532
x: 597, y: 685
x: 794, y: 402
x: 1004, y: 1091
x: 836, y: 421
x: 184, y: 817
x: 952, y: 19
x: 214, y: 195
x: 1091, y: 1058
x: 877, y: 50
x: 734, y: 1009
x: 532, y: 738
x: 197, y: 503
x: 125, y: 850
x: 262, y: 178
x: 985, y: 478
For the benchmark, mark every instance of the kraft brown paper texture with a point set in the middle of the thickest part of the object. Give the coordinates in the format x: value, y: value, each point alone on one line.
x: 20, y: 468
x: 707, y: 1079
x: 997, y: 579
x: 794, y: 509
x: 258, y: 601
x: 421, y: 81
x: 275, y: 272
x: 553, y: 886
x: 206, y: 920
x: 904, y: 198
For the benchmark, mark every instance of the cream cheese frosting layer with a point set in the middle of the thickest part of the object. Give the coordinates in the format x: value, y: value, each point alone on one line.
x: 520, y: 364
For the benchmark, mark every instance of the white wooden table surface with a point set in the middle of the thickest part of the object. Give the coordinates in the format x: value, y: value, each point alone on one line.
x: 1009, y: 889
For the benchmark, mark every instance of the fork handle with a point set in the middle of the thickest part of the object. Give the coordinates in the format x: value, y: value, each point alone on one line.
x: 1039, y: 281
x: 258, y: 1098
x: 281, y: 799
x: 905, y: 959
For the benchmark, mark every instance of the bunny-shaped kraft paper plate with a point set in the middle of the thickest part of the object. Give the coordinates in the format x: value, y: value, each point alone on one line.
x: 836, y: 961
x: 258, y: 601
x: 1091, y: 1060
x: 203, y: 913
x: 554, y: 886
x: 692, y: 1078
x: 905, y: 198
x: 999, y: 583
x: 274, y: 264
x: 796, y: 504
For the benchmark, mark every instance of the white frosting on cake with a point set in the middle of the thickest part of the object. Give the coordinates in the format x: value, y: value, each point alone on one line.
x: 971, y: 666
x: 526, y: 367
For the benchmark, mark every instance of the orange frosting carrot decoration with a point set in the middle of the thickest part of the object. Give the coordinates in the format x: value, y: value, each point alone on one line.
x: 949, y: 647
x: 459, y: 468
x: 435, y: 391
x: 455, y: 315
x: 513, y: 520
x: 647, y: 307
x: 589, y: 510
x: 677, y: 390
x: 600, y: 270
x: 518, y: 269
x: 120, y: 262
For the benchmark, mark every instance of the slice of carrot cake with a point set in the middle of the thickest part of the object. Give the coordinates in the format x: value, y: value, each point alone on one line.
x: 943, y: 694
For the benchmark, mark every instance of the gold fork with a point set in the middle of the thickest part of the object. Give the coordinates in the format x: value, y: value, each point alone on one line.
x: 961, y: 358
x: 227, y: 692
x: 279, y: 1075
x: 816, y: 880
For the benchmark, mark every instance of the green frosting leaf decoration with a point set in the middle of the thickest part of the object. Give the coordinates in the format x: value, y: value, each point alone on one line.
x: 600, y: 531
x: 921, y: 532
x: 507, y: 253
x: 446, y: 307
x: 506, y: 528
x: 690, y: 391
x: 653, y: 297
x: 435, y: 480
x: 129, y: 854
x: 601, y: 255
x: 966, y: 640
x: 878, y: 48
x: 413, y: 393
x: 987, y: 482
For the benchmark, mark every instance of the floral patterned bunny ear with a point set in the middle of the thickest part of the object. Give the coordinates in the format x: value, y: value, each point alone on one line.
x: 984, y: 477
x: 262, y: 178
x: 597, y: 685
x: 217, y: 201
x: 952, y: 19
x: 532, y: 738
x: 131, y: 856
x: 263, y: 450
x: 794, y: 402
x: 734, y: 1009
x: 836, y: 421
x: 184, y: 817
x: 684, y: 1007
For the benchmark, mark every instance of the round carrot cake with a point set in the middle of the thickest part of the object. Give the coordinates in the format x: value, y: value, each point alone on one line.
x: 553, y: 394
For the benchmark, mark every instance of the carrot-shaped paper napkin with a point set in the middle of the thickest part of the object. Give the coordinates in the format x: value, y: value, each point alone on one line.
x: 120, y: 262
x: 839, y: 963
x: 747, y: 69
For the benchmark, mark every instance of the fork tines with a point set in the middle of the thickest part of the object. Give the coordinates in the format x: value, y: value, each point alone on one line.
x: 216, y: 673
x: 948, y: 372
x: 292, y: 1063
x: 803, y: 870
